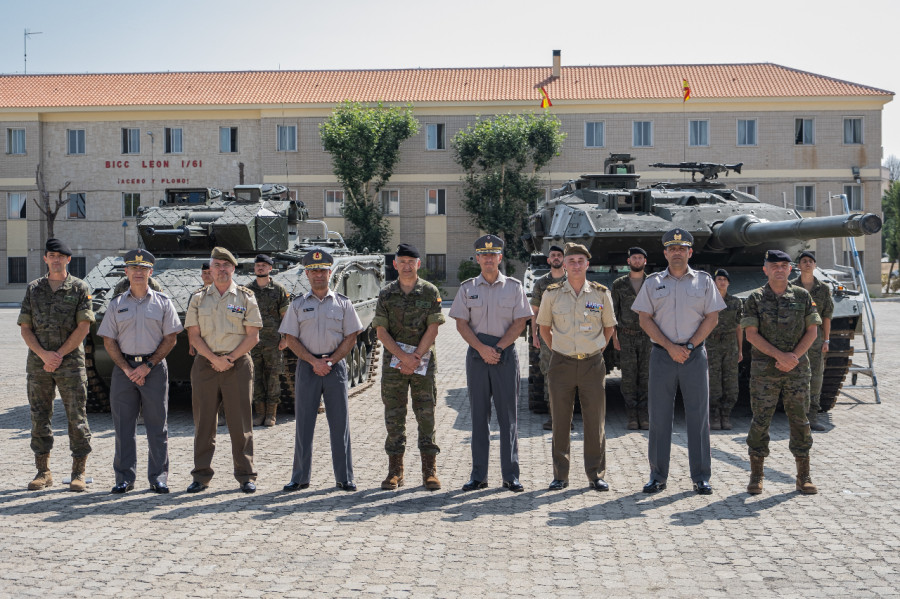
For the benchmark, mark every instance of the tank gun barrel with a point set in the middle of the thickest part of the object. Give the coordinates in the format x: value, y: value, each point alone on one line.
x: 746, y: 230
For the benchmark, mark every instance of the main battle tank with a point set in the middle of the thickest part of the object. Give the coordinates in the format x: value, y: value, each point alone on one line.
x: 181, y: 233
x: 610, y: 212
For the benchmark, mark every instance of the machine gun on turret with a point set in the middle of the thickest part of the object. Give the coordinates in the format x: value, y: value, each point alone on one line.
x: 709, y: 170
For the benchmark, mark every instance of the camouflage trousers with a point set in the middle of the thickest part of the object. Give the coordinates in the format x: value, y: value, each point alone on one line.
x: 723, y: 372
x: 634, y: 362
x: 792, y: 388
x: 395, y: 387
x: 817, y: 371
x: 72, y: 385
x: 268, y: 366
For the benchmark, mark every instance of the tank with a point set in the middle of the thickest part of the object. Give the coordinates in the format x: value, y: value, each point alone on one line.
x: 610, y: 212
x: 181, y: 233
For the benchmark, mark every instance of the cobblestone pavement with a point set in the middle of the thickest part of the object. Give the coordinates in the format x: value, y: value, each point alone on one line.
x: 492, y: 543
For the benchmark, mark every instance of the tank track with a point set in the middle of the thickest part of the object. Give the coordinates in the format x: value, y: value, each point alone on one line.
x: 837, y: 361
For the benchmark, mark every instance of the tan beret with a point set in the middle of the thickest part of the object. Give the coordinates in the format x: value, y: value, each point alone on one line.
x: 220, y: 253
x: 577, y: 248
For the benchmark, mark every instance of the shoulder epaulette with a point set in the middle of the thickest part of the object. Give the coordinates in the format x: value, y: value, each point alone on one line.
x: 466, y: 281
x: 597, y: 285
x: 341, y: 295
x: 246, y: 290
x: 554, y: 286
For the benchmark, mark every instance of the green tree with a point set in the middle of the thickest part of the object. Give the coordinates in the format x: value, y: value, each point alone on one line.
x: 501, y: 157
x: 364, y: 143
x: 890, y: 204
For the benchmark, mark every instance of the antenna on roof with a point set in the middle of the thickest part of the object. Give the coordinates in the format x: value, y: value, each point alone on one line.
x: 25, y: 39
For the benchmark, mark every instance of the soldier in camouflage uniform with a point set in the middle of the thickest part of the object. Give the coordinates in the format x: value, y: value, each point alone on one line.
x: 631, y: 341
x: 821, y: 295
x: 407, y: 317
x: 123, y: 285
x: 723, y: 349
x: 781, y: 322
x: 557, y: 274
x: 56, y: 316
x: 268, y: 358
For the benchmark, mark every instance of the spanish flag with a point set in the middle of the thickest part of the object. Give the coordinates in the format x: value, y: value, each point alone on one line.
x: 686, y: 90
x: 545, y: 101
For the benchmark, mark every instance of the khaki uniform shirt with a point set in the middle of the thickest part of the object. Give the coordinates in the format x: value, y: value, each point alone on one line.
x: 678, y: 306
x: 222, y: 318
x: 490, y: 309
x: 577, y: 321
x: 540, y: 286
x: 321, y: 325
x: 138, y: 327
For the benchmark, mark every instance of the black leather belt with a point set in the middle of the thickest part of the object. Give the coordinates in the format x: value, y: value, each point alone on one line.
x: 137, y: 358
x: 698, y: 346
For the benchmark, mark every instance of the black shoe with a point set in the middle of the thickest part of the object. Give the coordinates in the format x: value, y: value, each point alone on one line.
x: 292, y: 486
x: 654, y: 486
x: 196, y: 487
x: 513, y: 485
x: 122, y: 488
x: 702, y: 487
x: 473, y: 485
x: 248, y: 487
x: 159, y: 488
x: 558, y: 485
x: 348, y: 486
x: 599, y: 485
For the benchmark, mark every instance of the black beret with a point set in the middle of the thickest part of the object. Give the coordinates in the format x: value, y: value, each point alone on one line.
x: 264, y: 258
x: 318, y: 259
x: 677, y: 237
x: 55, y: 245
x: 777, y: 256
x: 807, y: 254
x: 636, y: 250
x: 722, y: 273
x: 407, y: 249
x: 204, y: 266
x: 140, y: 258
x: 556, y: 248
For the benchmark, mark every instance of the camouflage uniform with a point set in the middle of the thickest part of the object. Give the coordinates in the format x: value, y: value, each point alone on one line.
x: 722, y: 353
x: 406, y: 317
x: 53, y: 316
x: 634, y: 358
x: 821, y: 295
x: 268, y: 360
x: 537, y: 292
x: 782, y: 321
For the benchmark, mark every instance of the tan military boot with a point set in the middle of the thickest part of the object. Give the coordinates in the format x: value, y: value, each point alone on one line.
x: 271, y: 410
x: 78, y: 465
x: 715, y: 419
x: 726, y: 420
x: 804, y: 482
x: 429, y: 473
x: 43, y: 479
x: 395, y: 473
x: 756, y: 475
x: 814, y: 424
x: 259, y: 412
x: 633, y: 419
x: 644, y: 418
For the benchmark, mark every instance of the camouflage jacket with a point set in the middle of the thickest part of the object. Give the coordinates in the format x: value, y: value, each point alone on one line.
x: 623, y: 296
x: 540, y: 286
x: 407, y: 316
x: 821, y: 295
x: 273, y: 301
x: 729, y: 318
x: 781, y: 320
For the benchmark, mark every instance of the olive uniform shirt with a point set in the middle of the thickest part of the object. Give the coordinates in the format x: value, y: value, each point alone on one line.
x: 623, y: 296
x: 577, y: 321
x: 729, y: 319
x: 222, y: 318
x: 273, y: 301
x: 821, y: 296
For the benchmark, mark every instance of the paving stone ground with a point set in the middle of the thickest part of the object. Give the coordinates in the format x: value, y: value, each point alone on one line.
x: 414, y: 543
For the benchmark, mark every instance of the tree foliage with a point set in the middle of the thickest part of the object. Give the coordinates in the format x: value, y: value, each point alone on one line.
x: 501, y: 157
x: 890, y: 204
x: 364, y: 143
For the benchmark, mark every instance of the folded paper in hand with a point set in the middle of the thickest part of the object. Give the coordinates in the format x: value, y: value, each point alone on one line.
x: 423, y: 366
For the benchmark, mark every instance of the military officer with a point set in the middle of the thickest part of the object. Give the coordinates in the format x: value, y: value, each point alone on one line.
x: 678, y: 308
x: 781, y: 322
x: 491, y: 311
x: 268, y: 360
x: 321, y: 328
x: 139, y: 331
x: 407, y: 317
x: 821, y: 295
x: 577, y: 321
x: 223, y: 323
x: 723, y: 350
x: 205, y: 274
x: 206, y: 277
x: 557, y: 273
x: 55, y: 317
x: 631, y: 341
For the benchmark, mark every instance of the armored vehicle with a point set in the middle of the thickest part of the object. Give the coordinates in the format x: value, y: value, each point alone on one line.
x: 610, y: 212
x: 181, y: 233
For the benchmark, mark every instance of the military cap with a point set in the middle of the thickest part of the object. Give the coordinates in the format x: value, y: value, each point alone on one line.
x: 577, y: 248
x: 220, y: 253
x: 677, y: 237
x: 722, y: 273
x: 318, y: 259
x: 55, y: 245
x: 556, y: 248
x: 636, y: 250
x: 489, y: 244
x: 777, y: 256
x: 264, y: 258
x: 408, y: 250
x: 806, y: 254
x: 140, y: 258
x: 204, y: 266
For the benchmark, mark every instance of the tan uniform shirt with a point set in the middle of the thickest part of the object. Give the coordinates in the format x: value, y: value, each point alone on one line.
x: 678, y: 306
x: 222, y: 318
x: 577, y: 320
x: 490, y: 309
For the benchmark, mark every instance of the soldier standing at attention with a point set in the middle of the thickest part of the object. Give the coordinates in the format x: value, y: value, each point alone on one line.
x: 577, y: 321
x: 724, y: 351
x: 55, y: 317
x: 678, y: 308
x: 821, y: 295
x: 781, y: 322
x: 557, y: 273
x: 139, y: 331
x: 206, y: 277
x: 321, y: 327
x: 268, y: 360
x: 407, y: 318
x: 631, y: 340
x: 491, y: 311
x: 223, y: 325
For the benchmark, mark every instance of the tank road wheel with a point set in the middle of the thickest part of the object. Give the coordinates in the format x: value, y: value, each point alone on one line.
x: 97, y: 391
x: 837, y: 361
x: 537, y: 403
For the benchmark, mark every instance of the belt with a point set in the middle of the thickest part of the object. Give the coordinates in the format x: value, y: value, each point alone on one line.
x: 630, y: 331
x: 321, y: 355
x: 580, y: 356
x: 698, y: 346
x: 137, y: 358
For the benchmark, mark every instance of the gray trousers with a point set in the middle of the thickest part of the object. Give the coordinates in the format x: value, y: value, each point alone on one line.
x: 308, y: 389
x: 125, y: 402
x: 666, y: 376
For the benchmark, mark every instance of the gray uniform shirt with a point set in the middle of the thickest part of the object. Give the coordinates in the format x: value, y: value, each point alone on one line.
x: 490, y: 308
x: 321, y: 325
x: 678, y: 306
x: 139, y: 326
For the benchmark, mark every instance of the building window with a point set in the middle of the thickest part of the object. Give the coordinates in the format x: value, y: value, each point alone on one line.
x: 287, y: 138
x: 17, y: 270
x: 434, y: 137
x: 75, y: 208
x: 437, y: 266
x: 642, y: 134
x: 699, y: 133
x: 748, y: 189
x: 228, y: 140
x: 334, y: 203
x: 131, y: 141
x: 15, y: 141
x: 390, y: 201
x: 593, y: 135
x: 130, y: 203
x: 173, y: 140
x: 853, y: 132
x: 74, y: 142
x: 746, y: 132
x: 437, y: 202
x: 16, y: 205
x: 854, y: 196
x: 805, y: 198
x: 78, y: 267
x: 804, y: 132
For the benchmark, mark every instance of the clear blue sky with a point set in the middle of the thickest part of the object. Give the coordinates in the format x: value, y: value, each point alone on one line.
x: 856, y: 41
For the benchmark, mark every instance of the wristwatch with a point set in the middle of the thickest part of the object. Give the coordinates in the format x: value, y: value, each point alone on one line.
x: 690, y: 346
x: 499, y: 349
x: 149, y: 364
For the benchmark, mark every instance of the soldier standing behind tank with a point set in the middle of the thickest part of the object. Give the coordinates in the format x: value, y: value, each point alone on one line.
x: 631, y: 340
x: 268, y: 360
x: 557, y: 274
x: 724, y: 352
